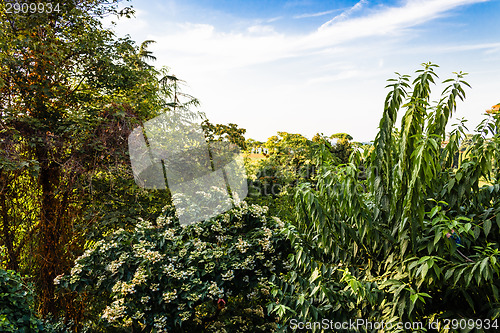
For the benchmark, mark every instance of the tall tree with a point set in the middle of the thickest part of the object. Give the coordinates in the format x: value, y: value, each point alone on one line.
x: 70, y: 93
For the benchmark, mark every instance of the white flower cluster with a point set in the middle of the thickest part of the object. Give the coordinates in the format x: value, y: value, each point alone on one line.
x: 215, y: 291
x: 217, y: 226
x: 58, y: 278
x: 222, y: 238
x: 226, y: 218
x: 114, y: 266
x: 141, y: 250
x: 118, y: 232
x: 183, y: 275
x: 169, y: 296
x: 163, y: 220
x: 217, y: 253
x: 168, y: 269
x: 77, y: 269
x: 160, y: 322
x: 107, y: 246
x: 266, y: 241
x: 88, y: 251
x: 280, y: 223
x: 258, y: 211
x: 169, y: 234
x: 197, y: 229
x: 242, y: 245
x: 123, y: 288
x: 143, y: 225
x: 115, y: 311
x: 252, y: 294
x: 199, y: 245
x: 140, y: 276
x: 248, y: 263
x: 228, y: 276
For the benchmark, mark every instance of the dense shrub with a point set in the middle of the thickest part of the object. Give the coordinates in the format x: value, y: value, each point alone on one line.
x: 166, y: 276
x: 16, y: 315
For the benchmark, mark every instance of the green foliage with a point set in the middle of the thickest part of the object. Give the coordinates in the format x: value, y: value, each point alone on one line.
x: 382, y: 248
x: 170, y: 277
x: 70, y: 94
x: 16, y: 301
x: 229, y: 133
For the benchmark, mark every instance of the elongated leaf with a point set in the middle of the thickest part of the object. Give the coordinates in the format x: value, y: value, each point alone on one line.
x: 487, y: 227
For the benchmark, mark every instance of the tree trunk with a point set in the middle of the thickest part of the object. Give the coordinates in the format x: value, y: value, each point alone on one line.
x: 7, y: 233
x: 50, y: 256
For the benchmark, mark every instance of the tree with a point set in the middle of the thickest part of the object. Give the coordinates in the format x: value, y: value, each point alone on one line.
x: 414, y: 242
x: 342, y: 148
x: 70, y: 95
x: 229, y: 133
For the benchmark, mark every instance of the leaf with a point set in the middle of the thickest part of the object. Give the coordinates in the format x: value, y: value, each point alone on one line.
x: 449, y: 273
x: 437, y: 237
x: 477, y: 232
x: 468, y: 298
x: 424, y: 270
x: 484, y: 263
x: 425, y: 258
x: 314, y: 275
x: 451, y: 184
x: 434, y: 211
x: 487, y: 227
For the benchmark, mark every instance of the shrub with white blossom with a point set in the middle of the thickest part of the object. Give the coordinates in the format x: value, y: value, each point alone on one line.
x: 162, y: 276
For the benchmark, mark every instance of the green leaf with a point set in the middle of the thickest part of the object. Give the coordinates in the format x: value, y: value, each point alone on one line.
x: 434, y: 211
x: 314, y: 275
x: 437, y: 237
x: 425, y: 268
x: 449, y: 273
x: 484, y: 263
x: 477, y: 232
x: 487, y: 227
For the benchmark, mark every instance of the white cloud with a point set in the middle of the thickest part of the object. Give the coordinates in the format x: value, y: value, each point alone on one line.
x: 316, y: 14
x: 345, y: 14
x: 266, y: 80
x: 261, y: 29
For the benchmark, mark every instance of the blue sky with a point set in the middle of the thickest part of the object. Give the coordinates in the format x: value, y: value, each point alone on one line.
x: 308, y: 66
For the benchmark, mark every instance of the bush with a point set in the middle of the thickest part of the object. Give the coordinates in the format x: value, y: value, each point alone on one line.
x: 165, y: 276
x: 16, y: 315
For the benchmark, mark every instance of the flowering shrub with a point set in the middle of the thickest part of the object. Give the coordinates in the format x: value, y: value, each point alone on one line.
x: 163, y: 275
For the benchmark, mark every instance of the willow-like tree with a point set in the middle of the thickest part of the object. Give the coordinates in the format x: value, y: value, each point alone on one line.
x: 416, y: 241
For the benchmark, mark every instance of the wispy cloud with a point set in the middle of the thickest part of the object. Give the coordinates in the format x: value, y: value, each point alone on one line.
x: 261, y: 43
x: 387, y: 21
x: 316, y: 14
x: 274, y: 19
x: 261, y: 68
x: 345, y: 14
